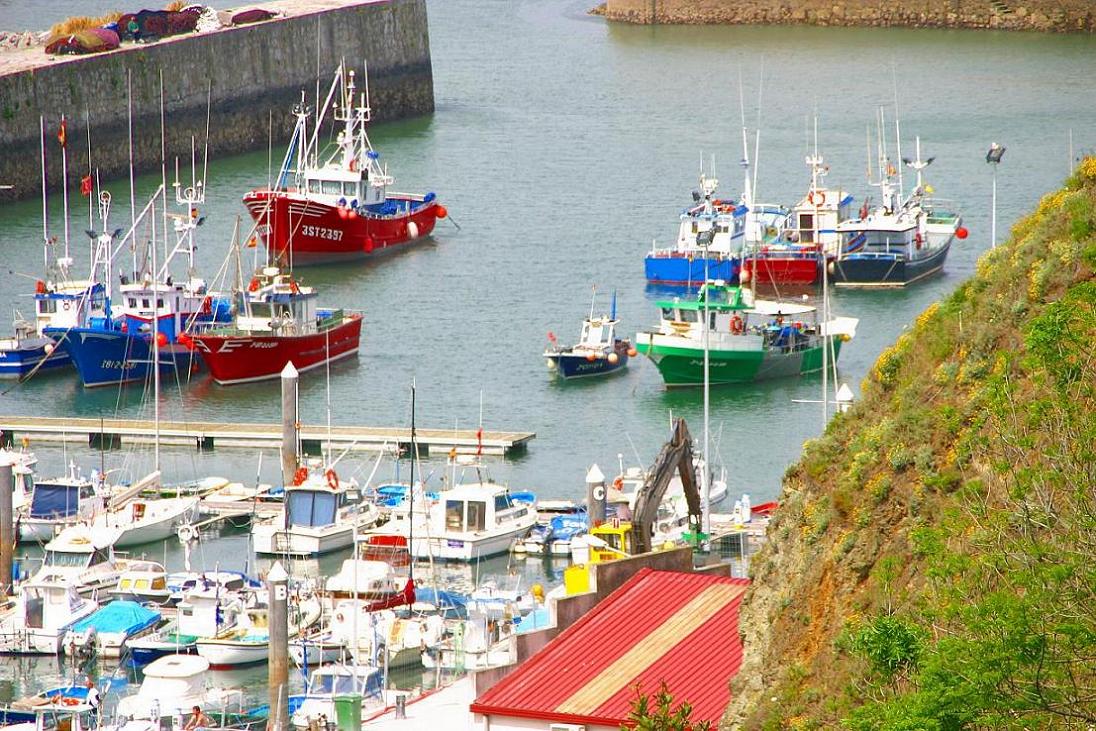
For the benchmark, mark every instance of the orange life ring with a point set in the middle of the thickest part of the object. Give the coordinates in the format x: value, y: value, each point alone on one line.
x: 70, y: 701
x: 332, y: 479
x: 737, y: 326
x: 618, y: 483
x: 300, y: 476
x: 254, y: 285
x: 40, y: 287
x: 294, y: 287
x: 816, y: 198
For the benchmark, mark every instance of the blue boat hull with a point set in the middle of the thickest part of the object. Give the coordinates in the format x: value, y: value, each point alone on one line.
x: 109, y: 358
x: 868, y: 270
x: 145, y: 655
x: 577, y: 366
x: 683, y: 271
x: 20, y: 362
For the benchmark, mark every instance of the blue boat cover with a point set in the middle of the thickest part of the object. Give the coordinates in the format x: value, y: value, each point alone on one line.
x: 54, y: 501
x: 119, y: 616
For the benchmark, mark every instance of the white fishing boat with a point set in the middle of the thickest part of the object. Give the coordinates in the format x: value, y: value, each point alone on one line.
x: 382, y: 633
x: 320, y: 515
x: 44, y: 610
x: 248, y: 642
x: 148, y: 521
x: 317, y: 649
x: 172, y: 686
x: 477, y: 643
x: 327, y: 683
x: 82, y: 557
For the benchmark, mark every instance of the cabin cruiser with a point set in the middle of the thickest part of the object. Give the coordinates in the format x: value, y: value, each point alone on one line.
x: 145, y: 582
x: 148, y: 521
x: 171, y: 687
x: 45, y: 608
x: 82, y: 557
x: 58, y: 503
x: 205, y: 611
x: 321, y: 515
x: 249, y: 641
x: 467, y: 522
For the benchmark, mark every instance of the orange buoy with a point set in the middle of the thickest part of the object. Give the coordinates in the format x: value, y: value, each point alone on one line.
x: 40, y: 287
x: 254, y: 285
x: 161, y: 339
x: 440, y: 211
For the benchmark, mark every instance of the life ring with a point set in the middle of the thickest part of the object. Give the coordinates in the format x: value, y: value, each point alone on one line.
x: 254, y: 285
x: 66, y: 305
x: 70, y: 701
x: 300, y: 476
x: 40, y: 287
x: 354, y: 165
x: 816, y: 198
x: 618, y: 483
x: 332, y: 479
x: 737, y: 326
x: 771, y: 232
x: 294, y: 287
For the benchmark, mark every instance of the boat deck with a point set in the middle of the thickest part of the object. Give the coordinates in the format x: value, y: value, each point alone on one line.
x: 112, y: 433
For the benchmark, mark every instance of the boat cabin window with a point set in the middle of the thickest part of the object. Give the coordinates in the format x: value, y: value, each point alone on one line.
x: 667, y: 313
x: 311, y: 508
x: 696, y: 227
x: 711, y: 323
x: 503, y: 502
x: 47, y: 306
x: 313, y: 186
x: 132, y: 301
x: 467, y: 516
x: 687, y: 316
x: 334, y: 684
x: 99, y: 556
x: 146, y: 302
x: 594, y: 334
x: 350, y: 190
x: 64, y: 559
x: 332, y: 187
x: 477, y: 515
x: 159, y: 302
x: 806, y: 228
x: 454, y: 515
x: 260, y: 309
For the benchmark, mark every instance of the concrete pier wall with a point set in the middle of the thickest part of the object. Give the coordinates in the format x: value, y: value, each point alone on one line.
x: 247, y: 73
x: 1037, y: 15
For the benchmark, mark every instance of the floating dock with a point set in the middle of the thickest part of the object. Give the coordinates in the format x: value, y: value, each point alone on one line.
x: 113, y: 433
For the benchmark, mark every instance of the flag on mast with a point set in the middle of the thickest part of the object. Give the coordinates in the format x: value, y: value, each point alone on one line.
x: 62, y: 135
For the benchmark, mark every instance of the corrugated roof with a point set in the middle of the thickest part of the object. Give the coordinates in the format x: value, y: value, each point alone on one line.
x: 660, y: 625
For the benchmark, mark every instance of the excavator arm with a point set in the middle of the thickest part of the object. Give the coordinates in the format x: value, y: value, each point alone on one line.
x: 676, y: 454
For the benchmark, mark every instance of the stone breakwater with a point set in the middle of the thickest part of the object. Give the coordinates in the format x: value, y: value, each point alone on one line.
x: 1063, y: 16
x: 247, y: 74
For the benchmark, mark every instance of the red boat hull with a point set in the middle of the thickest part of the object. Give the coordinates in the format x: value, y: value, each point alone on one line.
x: 309, y: 232
x: 252, y: 357
x: 782, y: 268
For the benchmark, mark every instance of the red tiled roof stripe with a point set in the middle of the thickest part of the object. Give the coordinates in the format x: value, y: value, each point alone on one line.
x: 613, y: 628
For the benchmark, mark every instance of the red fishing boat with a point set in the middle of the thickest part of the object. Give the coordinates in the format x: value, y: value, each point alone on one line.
x: 794, y: 253
x: 336, y: 207
x: 277, y: 321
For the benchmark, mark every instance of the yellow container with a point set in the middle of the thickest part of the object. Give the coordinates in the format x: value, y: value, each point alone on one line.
x: 576, y: 580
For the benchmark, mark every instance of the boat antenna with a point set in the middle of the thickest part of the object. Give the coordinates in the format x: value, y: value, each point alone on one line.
x: 757, y: 136
x: 897, y: 129
x: 91, y: 198
x: 205, y: 147
x: 593, y: 297
x: 747, y: 198
x: 612, y: 307
x: 327, y: 368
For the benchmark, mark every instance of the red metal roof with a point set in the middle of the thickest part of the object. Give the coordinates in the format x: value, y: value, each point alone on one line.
x: 660, y: 625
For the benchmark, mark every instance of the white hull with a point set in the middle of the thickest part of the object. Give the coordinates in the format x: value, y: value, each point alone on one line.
x: 318, y: 653
x: 232, y: 653
x: 301, y: 542
x: 155, y: 528
x: 465, y: 546
x: 39, y: 530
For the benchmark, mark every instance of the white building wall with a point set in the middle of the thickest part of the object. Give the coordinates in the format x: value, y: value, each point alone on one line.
x: 497, y: 722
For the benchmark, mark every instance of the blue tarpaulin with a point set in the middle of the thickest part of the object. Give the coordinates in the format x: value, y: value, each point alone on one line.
x: 54, y: 501
x: 119, y: 616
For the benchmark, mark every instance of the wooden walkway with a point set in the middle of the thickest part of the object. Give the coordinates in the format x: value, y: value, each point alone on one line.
x: 112, y: 433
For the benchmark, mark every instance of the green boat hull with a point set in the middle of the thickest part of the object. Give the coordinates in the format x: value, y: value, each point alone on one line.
x: 685, y: 366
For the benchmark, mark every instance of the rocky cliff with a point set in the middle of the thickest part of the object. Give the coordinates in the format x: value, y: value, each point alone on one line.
x: 933, y: 563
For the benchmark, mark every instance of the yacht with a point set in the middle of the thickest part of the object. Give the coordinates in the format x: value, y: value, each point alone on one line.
x: 82, y: 557
x: 58, y: 503
x: 148, y: 521
x: 44, y: 610
x: 171, y: 687
x: 248, y: 642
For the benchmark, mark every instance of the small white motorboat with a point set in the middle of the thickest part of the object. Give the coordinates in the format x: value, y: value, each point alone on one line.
x: 145, y: 582
x: 59, y: 503
x: 248, y: 643
x: 327, y: 683
x: 106, y: 631
x: 204, y: 611
x: 171, y: 687
x: 82, y: 557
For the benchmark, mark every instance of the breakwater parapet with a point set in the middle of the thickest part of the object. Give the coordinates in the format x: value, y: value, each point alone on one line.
x: 1064, y: 16
x: 250, y: 76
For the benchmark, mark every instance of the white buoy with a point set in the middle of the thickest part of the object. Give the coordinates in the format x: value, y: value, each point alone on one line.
x: 613, y: 358
x: 413, y: 230
x: 48, y: 348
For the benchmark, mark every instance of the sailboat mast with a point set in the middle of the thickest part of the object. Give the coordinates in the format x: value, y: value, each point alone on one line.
x: 45, y: 195
x: 704, y: 481
x: 64, y: 181
x: 411, y: 492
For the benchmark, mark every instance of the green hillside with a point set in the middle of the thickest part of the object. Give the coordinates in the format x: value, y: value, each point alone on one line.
x: 933, y: 564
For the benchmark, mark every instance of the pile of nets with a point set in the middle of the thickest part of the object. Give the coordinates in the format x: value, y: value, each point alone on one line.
x: 152, y: 25
x: 92, y: 40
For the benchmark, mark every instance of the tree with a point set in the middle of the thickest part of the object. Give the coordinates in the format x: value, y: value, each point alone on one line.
x: 657, y: 713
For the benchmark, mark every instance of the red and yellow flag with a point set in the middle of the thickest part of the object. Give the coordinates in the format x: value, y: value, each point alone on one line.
x: 62, y: 137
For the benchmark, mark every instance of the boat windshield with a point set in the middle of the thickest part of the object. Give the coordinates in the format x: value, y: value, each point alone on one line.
x: 335, y: 684
x: 64, y: 559
x: 311, y: 508
x: 54, y: 501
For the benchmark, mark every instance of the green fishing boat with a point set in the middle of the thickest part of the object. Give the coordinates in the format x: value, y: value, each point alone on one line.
x: 748, y: 339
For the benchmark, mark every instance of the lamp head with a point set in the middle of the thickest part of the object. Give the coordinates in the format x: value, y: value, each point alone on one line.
x: 996, y: 152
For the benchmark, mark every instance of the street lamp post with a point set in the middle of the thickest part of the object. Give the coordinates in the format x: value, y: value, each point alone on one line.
x: 993, y: 157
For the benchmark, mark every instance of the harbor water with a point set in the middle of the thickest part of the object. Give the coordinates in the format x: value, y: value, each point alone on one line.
x: 562, y: 146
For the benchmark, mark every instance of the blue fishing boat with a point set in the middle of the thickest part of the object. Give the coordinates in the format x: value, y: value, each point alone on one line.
x: 598, y: 352
x: 689, y: 260
x: 897, y: 242
x: 153, y: 317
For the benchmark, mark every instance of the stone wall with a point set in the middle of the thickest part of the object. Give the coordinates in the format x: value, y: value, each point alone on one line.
x: 247, y: 72
x: 1037, y: 15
